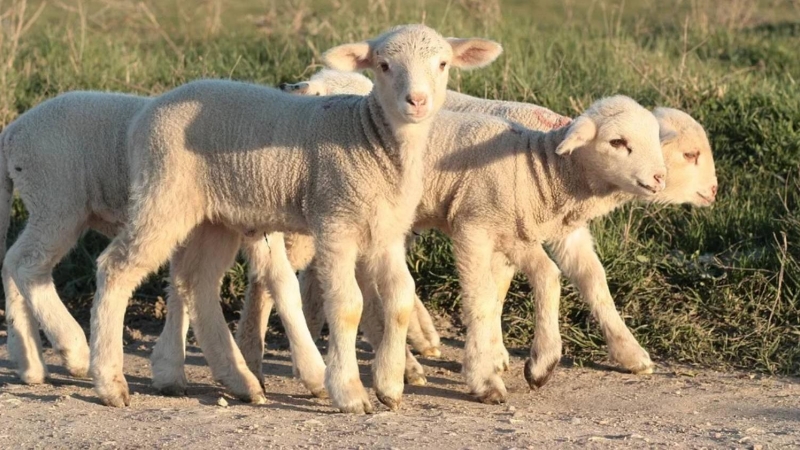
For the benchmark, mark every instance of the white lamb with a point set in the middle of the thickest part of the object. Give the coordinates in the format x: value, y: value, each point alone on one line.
x: 67, y: 159
x: 691, y: 179
x: 214, y: 160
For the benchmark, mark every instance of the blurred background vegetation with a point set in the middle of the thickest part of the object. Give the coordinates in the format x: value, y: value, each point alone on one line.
x: 718, y: 286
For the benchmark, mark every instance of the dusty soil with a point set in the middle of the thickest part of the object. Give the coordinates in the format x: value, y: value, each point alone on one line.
x: 580, y: 407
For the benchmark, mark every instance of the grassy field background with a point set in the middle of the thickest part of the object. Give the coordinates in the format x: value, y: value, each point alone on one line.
x: 717, y: 286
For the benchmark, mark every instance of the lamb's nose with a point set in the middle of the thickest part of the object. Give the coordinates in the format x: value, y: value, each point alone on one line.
x: 416, y: 99
x: 659, y: 177
x: 713, y: 191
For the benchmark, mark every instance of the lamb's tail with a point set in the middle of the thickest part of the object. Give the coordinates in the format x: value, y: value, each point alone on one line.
x: 6, y: 193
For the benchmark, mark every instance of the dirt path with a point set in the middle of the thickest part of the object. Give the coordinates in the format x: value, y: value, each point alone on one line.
x: 580, y: 407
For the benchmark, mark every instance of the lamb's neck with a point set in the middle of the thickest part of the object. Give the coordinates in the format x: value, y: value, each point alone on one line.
x: 564, y: 181
x: 403, y: 144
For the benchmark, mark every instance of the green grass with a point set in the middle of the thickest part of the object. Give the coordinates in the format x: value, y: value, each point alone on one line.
x: 717, y: 286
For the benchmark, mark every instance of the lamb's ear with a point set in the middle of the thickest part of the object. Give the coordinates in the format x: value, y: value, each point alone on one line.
x: 474, y: 52
x: 296, y: 88
x: 348, y: 57
x: 580, y: 133
x: 666, y: 133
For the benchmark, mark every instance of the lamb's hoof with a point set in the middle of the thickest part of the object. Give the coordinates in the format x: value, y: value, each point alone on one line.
x: 491, y: 391
x: 77, y: 362
x: 492, y: 397
x: 431, y: 352
x: 643, y: 369
x: 416, y: 379
x: 114, y: 393
x: 320, y: 393
x: 32, y: 376
x: 78, y: 372
x: 351, y: 398
x: 634, y: 359
x: 173, y: 390
x: 357, y: 406
x: 538, y: 378
x: 391, y: 402
x: 258, y: 399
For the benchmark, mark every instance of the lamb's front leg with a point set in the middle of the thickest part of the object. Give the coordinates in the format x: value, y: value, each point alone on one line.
x: 271, y: 264
x: 576, y: 256
x: 335, y: 263
x: 473, y: 251
x: 543, y: 275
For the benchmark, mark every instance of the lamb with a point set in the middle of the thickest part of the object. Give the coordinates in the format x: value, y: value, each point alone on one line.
x: 214, y: 160
x: 331, y: 82
x: 69, y: 164
x: 691, y: 179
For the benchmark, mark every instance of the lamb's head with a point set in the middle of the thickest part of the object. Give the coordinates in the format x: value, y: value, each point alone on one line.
x: 691, y: 177
x: 331, y: 82
x: 411, y: 65
x: 617, y: 140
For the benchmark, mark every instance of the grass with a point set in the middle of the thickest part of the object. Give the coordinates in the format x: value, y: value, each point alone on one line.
x: 717, y: 286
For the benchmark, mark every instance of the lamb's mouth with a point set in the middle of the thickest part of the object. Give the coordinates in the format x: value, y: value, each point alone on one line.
x: 706, y: 199
x: 649, y: 189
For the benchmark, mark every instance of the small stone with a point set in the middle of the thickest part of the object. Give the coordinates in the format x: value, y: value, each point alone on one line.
x: 745, y: 439
x: 511, y: 409
x: 313, y: 423
x: 575, y: 421
x: 636, y: 436
x: 222, y: 402
x: 598, y: 439
x: 758, y: 447
x: 717, y: 435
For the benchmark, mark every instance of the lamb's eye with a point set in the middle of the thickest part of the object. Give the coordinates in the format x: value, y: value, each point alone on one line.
x: 692, y: 156
x: 384, y: 67
x: 618, y: 143
x: 442, y: 65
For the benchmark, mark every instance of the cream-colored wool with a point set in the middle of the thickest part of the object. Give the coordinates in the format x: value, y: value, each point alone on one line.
x: 691, y: 179
x: 67, y: 159
x: 214, y: 160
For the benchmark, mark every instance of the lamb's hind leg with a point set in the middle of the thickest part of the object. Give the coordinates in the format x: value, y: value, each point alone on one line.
x: 313, y: 305
x: 169, y: 353
x: 198, y: 267
x: 373, y: 327
x: 272, y: 267
x: 576, y: 256
x: 546, y: 349
x: 395, y: 286
x: 138, y: 251
x: 252, y: 329
x: 422, y: 335
x: 24, y: 343
x: 29, y: 263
